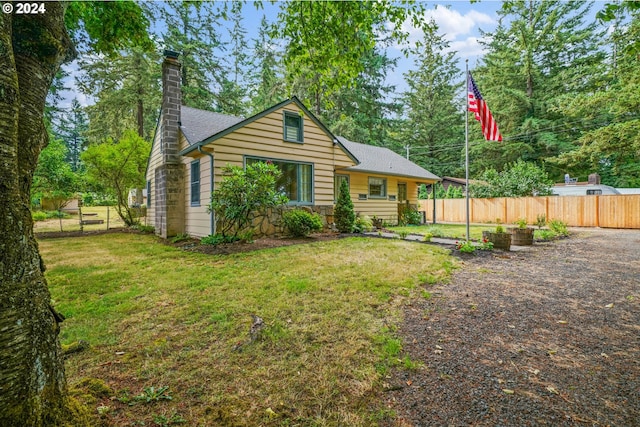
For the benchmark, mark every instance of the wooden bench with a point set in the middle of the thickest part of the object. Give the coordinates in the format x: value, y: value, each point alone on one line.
x: 92, y: 221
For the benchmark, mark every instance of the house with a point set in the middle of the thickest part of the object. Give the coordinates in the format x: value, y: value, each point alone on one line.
x: 192, y: 147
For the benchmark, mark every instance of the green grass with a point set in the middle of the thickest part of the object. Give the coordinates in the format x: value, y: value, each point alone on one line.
x: 156, y: 316
x: 72, y: 222
x: 454, y: 231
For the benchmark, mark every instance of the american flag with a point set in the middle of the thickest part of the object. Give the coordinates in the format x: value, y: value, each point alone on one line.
x: 479, y: 107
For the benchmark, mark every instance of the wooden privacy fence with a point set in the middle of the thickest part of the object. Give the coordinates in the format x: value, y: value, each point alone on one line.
x: 615, y: 211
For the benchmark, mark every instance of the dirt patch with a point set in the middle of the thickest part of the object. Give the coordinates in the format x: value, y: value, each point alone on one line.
x: 86, y: 233
x: 194, y: 245
x: 549, y: 336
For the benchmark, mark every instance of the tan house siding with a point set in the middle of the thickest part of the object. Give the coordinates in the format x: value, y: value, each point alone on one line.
x: 197, y: 219
x: 381, y: 208
x: 155, y: 159
x: 264, y: 138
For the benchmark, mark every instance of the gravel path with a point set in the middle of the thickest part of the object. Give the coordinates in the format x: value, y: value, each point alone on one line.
x: 549, y: 336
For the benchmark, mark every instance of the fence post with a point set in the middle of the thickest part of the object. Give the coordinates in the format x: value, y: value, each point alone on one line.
x: 546, y: 208
x: 504, y: 213
x: 597, y: 211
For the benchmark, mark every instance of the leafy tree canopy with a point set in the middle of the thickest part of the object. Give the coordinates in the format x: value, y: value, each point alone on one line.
x: 519, y: 179
x: 330, y: 38
x: 54, y: 179
x: 118, y: 168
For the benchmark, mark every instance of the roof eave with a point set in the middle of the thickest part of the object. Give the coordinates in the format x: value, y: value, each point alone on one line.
x: 420, y: 178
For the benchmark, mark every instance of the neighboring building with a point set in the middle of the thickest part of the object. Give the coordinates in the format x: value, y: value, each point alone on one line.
x: 582, y: 189
x: 593, y: 187
x: 191, y: 148
x: 137, y: 197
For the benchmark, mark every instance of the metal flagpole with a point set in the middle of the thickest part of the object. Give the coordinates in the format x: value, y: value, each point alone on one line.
x: 466, y: 143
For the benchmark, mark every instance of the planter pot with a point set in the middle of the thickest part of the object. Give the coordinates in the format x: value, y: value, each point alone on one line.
x: 499, y: 240
x: 521, y: 236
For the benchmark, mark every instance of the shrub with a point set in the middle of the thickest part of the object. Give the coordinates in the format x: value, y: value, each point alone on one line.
x: 216, y: 239
x: 39, y: 216
x: 541, y: 220
x: 302, y: 223
x: 435, y: 231
x: 545, y: 235
x: 559, y: 227
x: 363, y: 224
x: 243, y: 192
x: 343, y: 213
x: 57, y: 214
x: 413, y: 217
x: 182, y: 237
x: 466, y: 247
x: 144, y: 228
x: 522, y: 223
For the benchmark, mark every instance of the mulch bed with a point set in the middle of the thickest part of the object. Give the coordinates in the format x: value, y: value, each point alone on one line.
x: 549, y: 336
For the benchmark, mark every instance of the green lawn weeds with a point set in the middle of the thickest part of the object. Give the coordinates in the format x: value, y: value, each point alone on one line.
x: 169, y: 331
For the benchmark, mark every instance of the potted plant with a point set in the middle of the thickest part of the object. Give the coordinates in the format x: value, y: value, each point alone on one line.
x: 522, y: 235
x: 500, y: 238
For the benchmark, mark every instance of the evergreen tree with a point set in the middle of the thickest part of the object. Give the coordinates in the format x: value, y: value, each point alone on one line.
x: 434, y: 123
x: 362, y: 113
x: 71, y: 127
x: 126, y: 90
x: 343, y: 213
x: 543, y: 52
x: 610, y: 142
x: 191, y: 31
x: 231, y: 98
x: 267, y: 78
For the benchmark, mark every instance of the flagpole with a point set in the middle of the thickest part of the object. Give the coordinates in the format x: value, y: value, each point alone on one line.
x: 466, y: 143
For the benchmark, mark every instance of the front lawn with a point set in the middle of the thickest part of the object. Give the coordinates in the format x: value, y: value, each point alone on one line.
x: 156, y: 316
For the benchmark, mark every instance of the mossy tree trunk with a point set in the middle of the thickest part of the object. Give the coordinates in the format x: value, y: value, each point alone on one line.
x: 32, y: 380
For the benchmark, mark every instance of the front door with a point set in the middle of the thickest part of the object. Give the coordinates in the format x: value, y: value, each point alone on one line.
x: 402, y: 192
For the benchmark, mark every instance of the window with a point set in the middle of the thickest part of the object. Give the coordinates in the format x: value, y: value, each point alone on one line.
x: 195, y: 183
x: 296, y: 181
x: 148, y: 194
x: 377, y: 188
x: 292, y: 127
x: 337, y: 182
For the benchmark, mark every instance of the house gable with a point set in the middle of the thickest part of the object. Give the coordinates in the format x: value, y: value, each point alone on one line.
x: 293, y: 105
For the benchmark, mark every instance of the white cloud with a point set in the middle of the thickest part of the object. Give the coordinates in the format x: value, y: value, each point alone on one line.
x: 461, y: 30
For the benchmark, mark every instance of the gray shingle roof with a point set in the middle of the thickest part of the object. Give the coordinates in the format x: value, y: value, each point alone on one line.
x: 197, y: 125
x: 384, y: 161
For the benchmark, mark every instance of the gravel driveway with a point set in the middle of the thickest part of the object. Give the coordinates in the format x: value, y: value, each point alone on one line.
x: 549, y: 336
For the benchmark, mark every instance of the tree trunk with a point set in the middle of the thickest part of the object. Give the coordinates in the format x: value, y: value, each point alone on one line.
x: 32, y: 380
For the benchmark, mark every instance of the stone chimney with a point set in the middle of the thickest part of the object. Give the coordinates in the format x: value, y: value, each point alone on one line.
x: 169, y: 175
x: 594, y: 179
